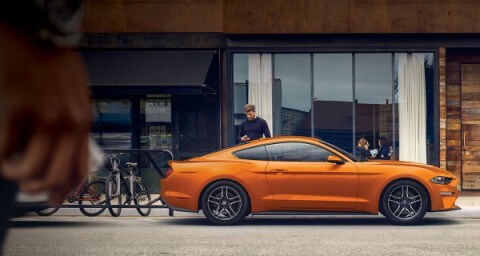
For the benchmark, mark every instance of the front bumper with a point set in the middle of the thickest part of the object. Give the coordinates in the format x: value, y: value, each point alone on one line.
x: 443, y: 197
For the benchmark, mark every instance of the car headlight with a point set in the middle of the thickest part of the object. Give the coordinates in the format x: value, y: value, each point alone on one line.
x: 441, y: 180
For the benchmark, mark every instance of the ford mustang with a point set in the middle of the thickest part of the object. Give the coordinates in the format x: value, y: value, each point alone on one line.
x: 300, y: 175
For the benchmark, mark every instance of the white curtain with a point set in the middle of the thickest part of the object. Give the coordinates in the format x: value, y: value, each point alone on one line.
x: 260, y: 85
x: 412, y: 108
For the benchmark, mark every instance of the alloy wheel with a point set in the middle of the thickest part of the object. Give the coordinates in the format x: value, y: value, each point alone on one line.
x: 224, y: 203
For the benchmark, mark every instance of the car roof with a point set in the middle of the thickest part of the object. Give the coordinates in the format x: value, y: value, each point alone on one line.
x: 258, y: 142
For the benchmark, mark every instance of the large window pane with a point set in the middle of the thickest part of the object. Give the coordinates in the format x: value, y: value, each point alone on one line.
x: 112, y: 124
x: 155, y: 134
x: 292, y: 94
x: 423, y: 115
x: 240, y: 89
x: 373, y: 98
x: 332, y: 100
x: 156, y: 123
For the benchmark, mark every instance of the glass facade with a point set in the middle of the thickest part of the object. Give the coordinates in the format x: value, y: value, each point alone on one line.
x: 292, y: 82
x: 338, y: 97
x: 156, y: 123
x: 240, y: 93
x: 112, y: 124
x: 373, y: 97
x: 332, y: 100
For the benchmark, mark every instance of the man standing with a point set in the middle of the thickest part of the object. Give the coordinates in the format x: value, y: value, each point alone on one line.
x: 254, y: 127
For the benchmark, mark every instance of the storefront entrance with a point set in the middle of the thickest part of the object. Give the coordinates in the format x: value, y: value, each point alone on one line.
x: 470, y: 112
x: 196, y: 125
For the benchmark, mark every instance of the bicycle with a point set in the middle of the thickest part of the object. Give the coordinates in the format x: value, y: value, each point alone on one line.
x: 92, y: 192
x: 117, y: 188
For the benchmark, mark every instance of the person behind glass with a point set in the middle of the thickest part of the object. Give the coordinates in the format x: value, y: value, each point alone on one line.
x: 254, y: 127
x: 384, y: 151
x: 362, y: 149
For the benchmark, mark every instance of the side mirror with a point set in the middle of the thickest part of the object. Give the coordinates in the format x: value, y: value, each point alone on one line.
x: 335, y: 159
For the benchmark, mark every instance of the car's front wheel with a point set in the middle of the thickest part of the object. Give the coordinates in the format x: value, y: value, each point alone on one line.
x: 405, y: 202
x: 225, y: 203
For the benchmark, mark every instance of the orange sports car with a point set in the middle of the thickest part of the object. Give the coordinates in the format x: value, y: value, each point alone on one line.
x: 299, y: 175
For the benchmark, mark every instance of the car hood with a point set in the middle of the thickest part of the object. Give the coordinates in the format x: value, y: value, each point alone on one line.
x: 431, y: 168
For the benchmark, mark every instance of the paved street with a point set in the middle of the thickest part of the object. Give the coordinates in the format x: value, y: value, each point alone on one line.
x: 441, y: 234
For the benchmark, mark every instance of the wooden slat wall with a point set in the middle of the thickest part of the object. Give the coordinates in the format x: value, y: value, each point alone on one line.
x: 443, y: 108
x: 470, y: 95
x: 454, y: 59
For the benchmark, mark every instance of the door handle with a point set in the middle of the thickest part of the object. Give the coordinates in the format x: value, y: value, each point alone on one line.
x: 464, y: 139
x: 279, y: 171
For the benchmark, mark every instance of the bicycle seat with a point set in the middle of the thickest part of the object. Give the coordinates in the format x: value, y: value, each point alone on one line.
x: 132, y: 164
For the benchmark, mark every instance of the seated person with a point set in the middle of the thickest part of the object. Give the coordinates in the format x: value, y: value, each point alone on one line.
x: 384, y: 151
x: 362, y: 149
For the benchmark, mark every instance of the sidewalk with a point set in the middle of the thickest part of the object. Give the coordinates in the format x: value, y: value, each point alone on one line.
x: 470, y: 209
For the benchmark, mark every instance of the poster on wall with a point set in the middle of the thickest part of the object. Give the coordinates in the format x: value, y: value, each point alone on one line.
x: 158, y: 112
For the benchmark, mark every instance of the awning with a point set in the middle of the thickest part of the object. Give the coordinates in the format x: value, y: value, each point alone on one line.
x: 148, y: 72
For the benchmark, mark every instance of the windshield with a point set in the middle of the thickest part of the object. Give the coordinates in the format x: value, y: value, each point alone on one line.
x: 347, y: 154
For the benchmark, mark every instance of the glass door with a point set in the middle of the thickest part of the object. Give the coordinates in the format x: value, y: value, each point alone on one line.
x: 197, y: 124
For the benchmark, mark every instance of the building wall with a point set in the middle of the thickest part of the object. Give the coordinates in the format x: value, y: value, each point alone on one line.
x: 282, y: 16
x: 151, y: 16
x: 454, y: 59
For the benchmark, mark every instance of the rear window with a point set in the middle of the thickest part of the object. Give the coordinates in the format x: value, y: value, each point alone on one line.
x: 255, y: 153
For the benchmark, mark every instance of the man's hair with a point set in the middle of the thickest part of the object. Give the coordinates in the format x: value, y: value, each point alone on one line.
x: 249, y: 107
x: 383, y: 140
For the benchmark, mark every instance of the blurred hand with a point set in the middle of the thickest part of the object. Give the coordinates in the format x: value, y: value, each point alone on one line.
x: 45, y: 116
x: 245, y: 138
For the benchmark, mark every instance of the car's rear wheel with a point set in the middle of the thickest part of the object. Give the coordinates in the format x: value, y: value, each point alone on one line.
x: 225, y: 203
x: 405, y: 202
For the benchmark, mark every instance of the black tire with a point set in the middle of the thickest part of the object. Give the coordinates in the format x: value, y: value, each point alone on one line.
x: 142, y: 197
x: 225, y: 203
x: 47, y: 212
x: 93, y: 194
x: 405, y: 202
x: 113, y: 198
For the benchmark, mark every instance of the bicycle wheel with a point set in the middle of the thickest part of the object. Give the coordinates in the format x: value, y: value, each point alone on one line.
x: 93, y: 194
x: 48, y: 211
x: 142, y: 197
x: 114, y: 197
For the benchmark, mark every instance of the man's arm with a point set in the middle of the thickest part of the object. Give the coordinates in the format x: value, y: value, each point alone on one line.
x: 241, y: 132
x: 265, y: 129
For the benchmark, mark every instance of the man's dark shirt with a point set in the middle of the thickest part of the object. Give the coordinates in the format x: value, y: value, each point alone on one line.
x: 254, y: 129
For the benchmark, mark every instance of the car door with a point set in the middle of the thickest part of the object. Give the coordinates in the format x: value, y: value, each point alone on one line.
x: 300, y: 178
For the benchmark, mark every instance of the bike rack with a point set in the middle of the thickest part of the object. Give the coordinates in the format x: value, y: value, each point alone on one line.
x: 147, y: 154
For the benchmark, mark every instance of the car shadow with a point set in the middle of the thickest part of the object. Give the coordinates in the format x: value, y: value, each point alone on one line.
x: 308, y: 221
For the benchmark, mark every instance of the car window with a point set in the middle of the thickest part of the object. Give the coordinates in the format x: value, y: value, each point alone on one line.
x: 297, y: 152
x: 255, y: 153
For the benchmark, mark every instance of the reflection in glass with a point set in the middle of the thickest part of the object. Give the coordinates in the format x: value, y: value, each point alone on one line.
x: 292, y: 93
x: 373, y: 98
x: 240, y: 89
x: 112, y: 124
x: 156, y: 123
x: 333, y: 96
